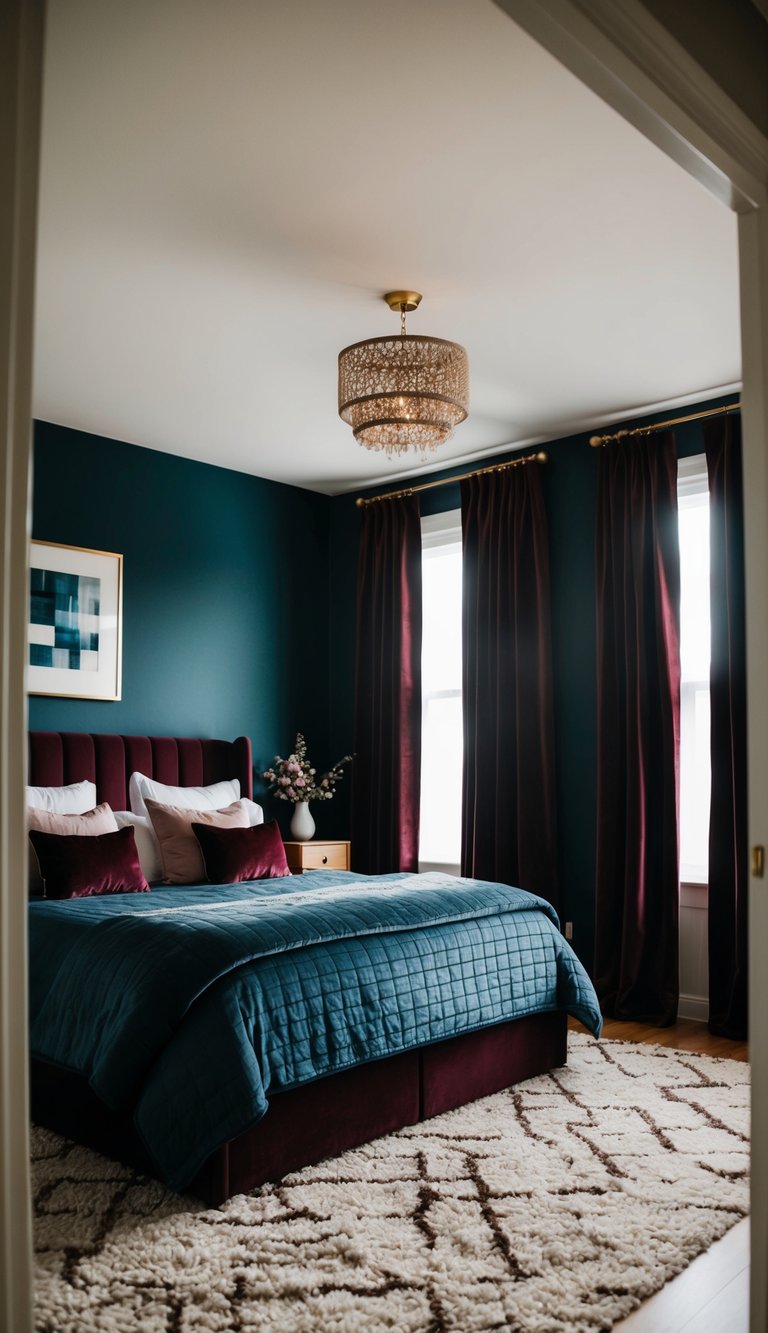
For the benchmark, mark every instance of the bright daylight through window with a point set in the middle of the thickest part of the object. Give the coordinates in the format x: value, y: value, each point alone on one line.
x: 442, y: 744
x: 695, y: 770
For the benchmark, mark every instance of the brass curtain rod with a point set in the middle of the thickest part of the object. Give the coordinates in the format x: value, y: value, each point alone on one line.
x: 541, y: 457
x: 597, y: 441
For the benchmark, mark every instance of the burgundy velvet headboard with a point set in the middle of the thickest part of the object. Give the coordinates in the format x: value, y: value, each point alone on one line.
x: 60, y: 757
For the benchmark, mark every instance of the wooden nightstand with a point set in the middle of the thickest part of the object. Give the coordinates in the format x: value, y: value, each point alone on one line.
x: 319, y: 854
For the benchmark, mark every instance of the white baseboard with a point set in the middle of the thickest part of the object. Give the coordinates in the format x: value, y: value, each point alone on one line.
x: 693, y: 1006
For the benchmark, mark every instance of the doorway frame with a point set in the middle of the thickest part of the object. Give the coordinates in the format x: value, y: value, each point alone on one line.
x: 625, y: 56
x: 21, y: 73
x: 617, y: 49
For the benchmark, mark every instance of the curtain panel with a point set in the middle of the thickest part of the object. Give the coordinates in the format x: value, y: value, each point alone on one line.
x: 387, y: 767
x: 508, y: 797
x: 728, y: 853
x: 638, y: 662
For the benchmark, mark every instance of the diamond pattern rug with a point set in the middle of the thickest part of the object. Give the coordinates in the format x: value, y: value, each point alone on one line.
x: 560, y: 1204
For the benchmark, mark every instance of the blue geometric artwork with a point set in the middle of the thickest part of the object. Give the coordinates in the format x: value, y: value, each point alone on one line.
x: 74, y: 625
x: 64, y: 620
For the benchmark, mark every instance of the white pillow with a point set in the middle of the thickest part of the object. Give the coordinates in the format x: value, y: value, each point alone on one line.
x: 146, y: 844
x: 214, y: 797
x: 75, y: 799
x: 254, y: 812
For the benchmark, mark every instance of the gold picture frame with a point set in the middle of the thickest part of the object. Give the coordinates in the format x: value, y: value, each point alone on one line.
x: 74, y: 626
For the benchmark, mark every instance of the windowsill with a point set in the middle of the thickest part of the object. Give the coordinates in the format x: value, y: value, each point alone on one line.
x: 442, y: 867
x: 694, y: 895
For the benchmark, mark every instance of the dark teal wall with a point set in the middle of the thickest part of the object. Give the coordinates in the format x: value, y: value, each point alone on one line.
x: 225, y: 627
x: 570, y: 490
x: 239, y: 611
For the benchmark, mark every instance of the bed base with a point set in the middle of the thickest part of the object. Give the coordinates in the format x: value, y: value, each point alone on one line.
x: 324, y: 1118
x: 321, y: 1119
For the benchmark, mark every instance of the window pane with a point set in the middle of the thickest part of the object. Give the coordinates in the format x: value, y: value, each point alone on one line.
x: 441, y: 735
x: 442, y: 753
x: 693, y: 526
x: 695, y: 783
x: 441, y: 597
x: 695, y: 770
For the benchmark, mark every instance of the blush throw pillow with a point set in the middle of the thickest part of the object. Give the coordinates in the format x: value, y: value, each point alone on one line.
x: 213, y: 797
x: 73, y: 799
x: 234, y: 854
x: 180, y: 854
x: 90, y: 824
x: 73, y: 866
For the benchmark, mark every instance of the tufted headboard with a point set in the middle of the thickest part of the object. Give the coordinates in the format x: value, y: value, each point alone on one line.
x: 60, y: 757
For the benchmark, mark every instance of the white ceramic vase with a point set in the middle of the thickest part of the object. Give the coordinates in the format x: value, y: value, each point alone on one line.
x: 302, y: 823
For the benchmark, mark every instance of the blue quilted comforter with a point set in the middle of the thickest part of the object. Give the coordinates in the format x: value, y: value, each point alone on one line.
x: 192, y: 1005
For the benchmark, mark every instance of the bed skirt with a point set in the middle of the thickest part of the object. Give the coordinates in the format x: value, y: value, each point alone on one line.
x: 324, y: 1118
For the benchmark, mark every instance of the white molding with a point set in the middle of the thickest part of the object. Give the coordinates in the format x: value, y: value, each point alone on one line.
x: 693, y: 1006
x: 441, y: 529
x: 21, y: 60
x: 620, y: 51
x: 692, y: 477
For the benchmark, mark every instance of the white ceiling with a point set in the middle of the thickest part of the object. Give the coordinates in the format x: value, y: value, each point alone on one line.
x: 228, y: 187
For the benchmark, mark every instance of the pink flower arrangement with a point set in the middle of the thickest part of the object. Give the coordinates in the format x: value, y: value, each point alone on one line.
x: 293, y: 779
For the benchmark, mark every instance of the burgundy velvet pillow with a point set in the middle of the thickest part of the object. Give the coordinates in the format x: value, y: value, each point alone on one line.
x: 75, y: 866
x: 235, y: 854
x: 90, y: 823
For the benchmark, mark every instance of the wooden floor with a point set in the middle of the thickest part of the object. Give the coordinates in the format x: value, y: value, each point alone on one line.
x: 685, y: 1035
x: 712, y: 1294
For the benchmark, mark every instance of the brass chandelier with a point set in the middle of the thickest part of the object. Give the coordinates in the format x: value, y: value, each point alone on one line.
x: 404, y: 391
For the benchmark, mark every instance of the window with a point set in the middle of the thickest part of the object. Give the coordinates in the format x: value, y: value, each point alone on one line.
x: 695, y: 770
x: 442, y: 741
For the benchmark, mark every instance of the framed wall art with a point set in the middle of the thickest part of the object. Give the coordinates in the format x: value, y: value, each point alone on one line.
x: 75, y: 622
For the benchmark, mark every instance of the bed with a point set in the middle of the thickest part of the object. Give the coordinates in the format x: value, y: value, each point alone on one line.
x: 222, y: 1036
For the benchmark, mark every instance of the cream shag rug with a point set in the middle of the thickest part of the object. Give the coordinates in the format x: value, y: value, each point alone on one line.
x: 558, y: 1205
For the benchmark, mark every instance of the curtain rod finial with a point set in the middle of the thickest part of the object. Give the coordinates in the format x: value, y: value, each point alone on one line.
x: 542, y: 456
x: 595, y: 441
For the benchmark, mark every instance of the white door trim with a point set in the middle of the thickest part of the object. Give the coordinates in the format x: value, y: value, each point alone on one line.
x: 620, y: 51
x: 753, y: 267
x: 21, y: 59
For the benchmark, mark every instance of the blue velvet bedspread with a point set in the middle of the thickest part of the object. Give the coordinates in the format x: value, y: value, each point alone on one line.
x: 192, y: 1005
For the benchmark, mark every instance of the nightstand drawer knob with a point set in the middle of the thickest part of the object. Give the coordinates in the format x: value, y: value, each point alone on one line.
x: 325, y: 860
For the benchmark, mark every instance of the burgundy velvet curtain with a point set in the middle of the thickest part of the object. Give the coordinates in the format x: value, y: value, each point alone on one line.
x: 728, y: 883
x: 387, y: 767
x: 508, y: 800
x: 638, y: 721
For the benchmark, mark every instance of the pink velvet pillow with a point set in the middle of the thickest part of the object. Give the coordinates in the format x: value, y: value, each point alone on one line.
x: 180, y: 854
x: 235, y: 854
x: 73, y: 866
x: 88, y: 824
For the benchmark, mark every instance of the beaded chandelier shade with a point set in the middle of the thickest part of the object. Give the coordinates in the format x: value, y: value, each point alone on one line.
x: 403, y: 392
